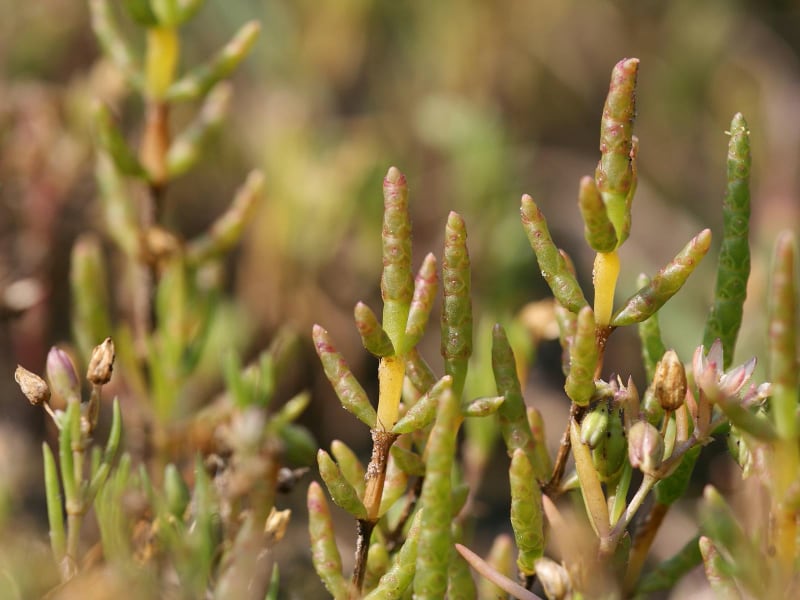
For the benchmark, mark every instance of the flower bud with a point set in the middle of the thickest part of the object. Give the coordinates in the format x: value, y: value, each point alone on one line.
x: 176, y: 492
x: 554, y: 578
x: 594, y: 425
x: 609, y: 455
x: 64, y: 382
x: 101, y: 363
x: 669, y: 381
x: 645, y: 447
x: 34, y: 387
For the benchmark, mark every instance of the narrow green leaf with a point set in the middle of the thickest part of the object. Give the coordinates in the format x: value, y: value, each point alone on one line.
x: 112, y: 445
x: 55, y: 515
x: 669, y: 572
x: 674, y: 486
x: 65, y: 442
x: 274, y: 583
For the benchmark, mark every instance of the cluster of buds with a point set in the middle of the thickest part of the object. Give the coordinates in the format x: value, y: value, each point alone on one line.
x: 64, y: 385
x: 616, y: 426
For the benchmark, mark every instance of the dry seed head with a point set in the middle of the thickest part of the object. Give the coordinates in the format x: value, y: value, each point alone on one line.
x: 669, y: 381
x: 101, y: 363
x: 34, y: 387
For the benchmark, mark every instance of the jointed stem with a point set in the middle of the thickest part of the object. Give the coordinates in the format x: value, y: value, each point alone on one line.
x: 364, y: 532
x: 375, y: 477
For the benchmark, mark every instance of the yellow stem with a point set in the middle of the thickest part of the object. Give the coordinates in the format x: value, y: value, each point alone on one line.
x: 786, y: 464
x: 391, y: 371
x: 163, y: 49
x: 606, y: 272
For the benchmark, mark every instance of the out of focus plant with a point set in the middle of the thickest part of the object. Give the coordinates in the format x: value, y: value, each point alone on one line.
x: 409, y: 503
x: 190, y: 510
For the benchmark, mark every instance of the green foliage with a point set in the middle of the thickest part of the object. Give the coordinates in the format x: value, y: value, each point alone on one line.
x: 190, y: 508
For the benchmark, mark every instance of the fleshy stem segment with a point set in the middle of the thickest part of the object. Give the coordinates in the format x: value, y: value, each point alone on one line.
x: 783, y: 325
x: 734, y: 256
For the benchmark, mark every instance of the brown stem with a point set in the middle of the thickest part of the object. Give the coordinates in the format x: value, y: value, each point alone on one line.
x: 376, y: 471
x: 364, y: 532
x: 375, y: 477
x: 642, y: 540
x: 153, y: 156
x: 601, y: 335
x: 553, y: 486
x: 154, y: 148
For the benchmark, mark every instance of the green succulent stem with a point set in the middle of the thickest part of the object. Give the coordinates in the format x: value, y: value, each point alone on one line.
x: 733, y: 269
x: 783, y: 326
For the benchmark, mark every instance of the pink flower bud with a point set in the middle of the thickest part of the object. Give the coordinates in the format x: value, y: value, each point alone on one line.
x: 64, y: 383
x: 645, y: 447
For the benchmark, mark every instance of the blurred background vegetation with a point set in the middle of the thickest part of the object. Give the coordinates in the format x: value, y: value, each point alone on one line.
x: 476, y: 102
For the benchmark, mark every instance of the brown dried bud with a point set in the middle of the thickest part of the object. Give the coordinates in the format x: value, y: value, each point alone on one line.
x: 101, y: 364
x: 34, y: 387
x: 645, y: 447
x: 669, y: 381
